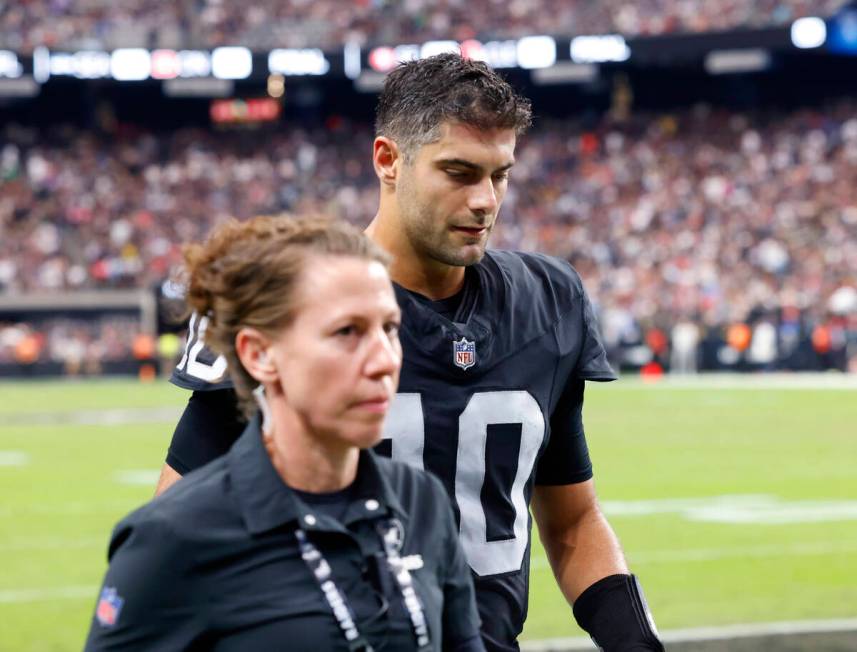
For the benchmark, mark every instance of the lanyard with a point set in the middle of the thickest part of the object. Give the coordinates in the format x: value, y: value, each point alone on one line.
x: 338, y: 603
x: 389, y: 537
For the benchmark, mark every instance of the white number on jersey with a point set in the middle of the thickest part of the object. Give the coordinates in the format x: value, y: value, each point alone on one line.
x: 190, y: 362
x: 406, y: 427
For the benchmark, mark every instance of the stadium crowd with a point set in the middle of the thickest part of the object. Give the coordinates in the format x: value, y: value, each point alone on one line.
x: 329, y: 23
x: 736, y: 230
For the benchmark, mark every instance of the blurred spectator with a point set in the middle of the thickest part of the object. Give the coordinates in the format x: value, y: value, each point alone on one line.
x: 748, y: 222
x: 685, y: 342
x: 73, y: 346
x: 169, y: 347
x: 763, y: 346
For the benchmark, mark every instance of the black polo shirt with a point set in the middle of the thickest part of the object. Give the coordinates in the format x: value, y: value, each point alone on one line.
x: 214, y: 563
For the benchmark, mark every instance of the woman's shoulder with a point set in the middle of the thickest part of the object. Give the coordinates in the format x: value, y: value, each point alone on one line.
x: 192, y: 505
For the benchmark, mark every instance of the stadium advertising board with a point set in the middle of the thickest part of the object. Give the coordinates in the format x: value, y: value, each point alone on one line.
x: 534, y: 53
x: 238, y: 111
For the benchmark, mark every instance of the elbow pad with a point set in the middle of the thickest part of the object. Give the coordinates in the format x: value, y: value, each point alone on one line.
x: 614, y: 613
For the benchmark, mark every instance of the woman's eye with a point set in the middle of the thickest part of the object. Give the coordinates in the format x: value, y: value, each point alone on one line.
x: 346, y: 331
x: 392, y: 328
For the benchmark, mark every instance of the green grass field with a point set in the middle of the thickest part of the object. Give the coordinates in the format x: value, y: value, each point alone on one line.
x: 733, y: 505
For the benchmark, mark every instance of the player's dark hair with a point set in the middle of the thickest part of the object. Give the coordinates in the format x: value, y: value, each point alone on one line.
x: 246, y: 274
x: 419, y: 96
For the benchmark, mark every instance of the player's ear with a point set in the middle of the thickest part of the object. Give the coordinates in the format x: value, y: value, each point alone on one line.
x: 386, y: 158
x: 252, y: 348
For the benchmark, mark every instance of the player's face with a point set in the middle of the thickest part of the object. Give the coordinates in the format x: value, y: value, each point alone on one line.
x: 450, y: 193
x: 338, y: 362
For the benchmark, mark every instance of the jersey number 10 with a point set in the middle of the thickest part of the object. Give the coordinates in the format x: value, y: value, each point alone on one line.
x: 406, y: 428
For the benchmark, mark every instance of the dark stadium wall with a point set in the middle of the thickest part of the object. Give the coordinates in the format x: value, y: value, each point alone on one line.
x: 794, y: 80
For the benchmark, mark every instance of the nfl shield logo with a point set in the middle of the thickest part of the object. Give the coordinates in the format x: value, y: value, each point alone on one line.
x: 464, y: 353
x: 109, y: 606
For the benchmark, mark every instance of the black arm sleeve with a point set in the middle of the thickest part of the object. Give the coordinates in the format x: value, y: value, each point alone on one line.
x: 593, y: 363
x: 566, y: 457
x: 615, y: 613
x: 209, y: 426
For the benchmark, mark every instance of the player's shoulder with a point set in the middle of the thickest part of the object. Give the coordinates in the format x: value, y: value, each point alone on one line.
x: 535, y: 282
x: 535, y: 270
x: 185, y: 380
x: 200, y: 369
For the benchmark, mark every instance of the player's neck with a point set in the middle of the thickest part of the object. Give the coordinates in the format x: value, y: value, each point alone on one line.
x: 412, y: 270
x: 304, y: 461
x: 430, y: 281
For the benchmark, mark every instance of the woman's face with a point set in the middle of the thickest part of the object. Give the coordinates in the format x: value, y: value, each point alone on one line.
x: 338, y: 362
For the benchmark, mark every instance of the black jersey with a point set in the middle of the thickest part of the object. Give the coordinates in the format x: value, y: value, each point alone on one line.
x: 489, y: 401
x: 172, y: 585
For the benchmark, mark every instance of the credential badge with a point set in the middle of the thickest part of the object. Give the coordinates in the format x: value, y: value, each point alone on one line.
x: 394, y: 537
x: 464, y: 353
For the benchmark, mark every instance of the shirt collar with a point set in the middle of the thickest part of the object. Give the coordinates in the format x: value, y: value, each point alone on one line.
x: 266, y: 502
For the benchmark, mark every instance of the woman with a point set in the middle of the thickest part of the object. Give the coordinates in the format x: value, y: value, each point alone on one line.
x: 299, y: 538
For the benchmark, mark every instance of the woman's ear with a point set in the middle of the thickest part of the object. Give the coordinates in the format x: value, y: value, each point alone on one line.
x: 253, y: 350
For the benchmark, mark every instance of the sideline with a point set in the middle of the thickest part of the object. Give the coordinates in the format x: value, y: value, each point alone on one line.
x: 761, y: 551
x: 701, y: 634
x: 109, y: 417
x: 748, y: 381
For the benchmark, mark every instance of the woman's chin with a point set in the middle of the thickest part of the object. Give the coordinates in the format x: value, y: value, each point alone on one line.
x: 366, y: 436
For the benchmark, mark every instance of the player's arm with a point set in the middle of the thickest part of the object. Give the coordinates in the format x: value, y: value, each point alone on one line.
x: 207, y: 429
x: 583, y: 551
x: 169, y: 476
x: 590, y: 569
x: 211, y: 421
x: 580, y: 544
x: 578, y: 540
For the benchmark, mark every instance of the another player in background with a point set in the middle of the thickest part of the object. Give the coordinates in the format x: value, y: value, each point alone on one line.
x: 497, y: 347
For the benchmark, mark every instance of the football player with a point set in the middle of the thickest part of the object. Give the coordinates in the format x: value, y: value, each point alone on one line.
x: 497, y: 348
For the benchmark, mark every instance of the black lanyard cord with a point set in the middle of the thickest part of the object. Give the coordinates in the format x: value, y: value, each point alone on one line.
x: 342, y: 611
x: 406, y: 584
x: 320, y: 569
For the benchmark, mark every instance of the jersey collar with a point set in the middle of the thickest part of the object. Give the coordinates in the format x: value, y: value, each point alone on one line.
x: 266, y: 502
x: 434, y: 334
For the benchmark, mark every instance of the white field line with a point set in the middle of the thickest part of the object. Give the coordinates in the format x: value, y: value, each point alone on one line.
x: 802, y: 381
x: 54, y: 543
x: 720, y: 633
x: 736, y: 552
x: 725, y: 632
x: 77, y: 592
x: 138, y: 477
x: 14, y: 458
x: 68, y: 509
x: 49, y: 594
x: 540, y: 563
x: 797, y: 381
x: 111, y: 417
x: 742, y: 509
